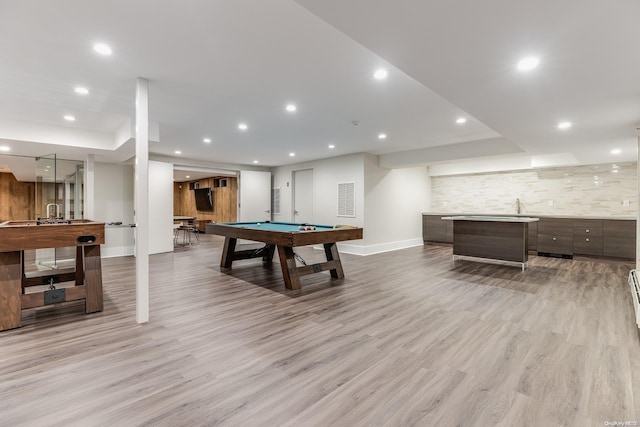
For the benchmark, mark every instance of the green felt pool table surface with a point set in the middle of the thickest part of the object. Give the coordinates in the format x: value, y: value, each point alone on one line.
x: 278, y: 226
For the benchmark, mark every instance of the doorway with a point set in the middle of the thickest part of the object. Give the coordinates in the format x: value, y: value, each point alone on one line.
x: 303, y: 196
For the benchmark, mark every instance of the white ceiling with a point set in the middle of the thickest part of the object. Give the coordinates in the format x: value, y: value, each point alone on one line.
x: 214, y: 64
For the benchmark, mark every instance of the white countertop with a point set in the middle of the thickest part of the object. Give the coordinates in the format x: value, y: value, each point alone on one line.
x: 491, y: 218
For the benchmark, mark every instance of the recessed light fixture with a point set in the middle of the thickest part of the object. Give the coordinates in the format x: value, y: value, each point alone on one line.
x: 4, y: 148
x: 102, y: 49
x: 615, y: 171
x: 243, y: 126
x: 564, y: 125
x: 207, y: 140
x: 380, y: 74
x: 291, y: 108
x: 81, y: 90
x: 178, y: 152
x: 292, y: 154
x: 331, y: 146
x: 187, y: 176
x: 616, y: 151
x: 528, y: 63
x: 382, y: 136
x: 69, y: 118
x: 461, y: 120
x: 255, y: 162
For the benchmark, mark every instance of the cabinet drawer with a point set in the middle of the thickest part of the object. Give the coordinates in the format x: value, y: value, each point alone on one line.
x: 588, y: 245
x: 555, y: 226
x: 555, y: 244
x: 587, y: 227
x: 619, y: 238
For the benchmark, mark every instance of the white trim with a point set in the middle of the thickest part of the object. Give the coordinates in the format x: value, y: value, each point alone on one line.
x: 114, y: 252
x: 364, y: 250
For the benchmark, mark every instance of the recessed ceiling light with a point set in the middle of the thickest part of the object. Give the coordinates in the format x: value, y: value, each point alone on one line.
x: 81, y: 90
x: 207, y: 140
x: 178, y: 152
x: 461, y: 120
x: 292, y: 154
x: 382, y: 136
x: 332, y: 146
x: 102, y: 49
x: 291, y: 108
x: 616, y: 151
x: 564, y: 125
x: 615, y: 171
x: 4, y: 148
x: 380, y: 74
x: 528, y: 63
x: 69, y: 118
x: 243, y: 126
x: 187, y: 176
x: 255, y: 161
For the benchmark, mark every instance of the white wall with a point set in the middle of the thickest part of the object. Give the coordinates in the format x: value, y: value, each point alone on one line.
x: 326, y: 176
x: 389, y: 202
x: 394, y: 201
x: 113, y: 202
x: 160, y: 207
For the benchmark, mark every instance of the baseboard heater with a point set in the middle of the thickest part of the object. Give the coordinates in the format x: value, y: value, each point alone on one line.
x: 635, y: 294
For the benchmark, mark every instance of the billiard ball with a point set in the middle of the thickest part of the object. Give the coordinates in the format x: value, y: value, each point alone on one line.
x: 258, y: 224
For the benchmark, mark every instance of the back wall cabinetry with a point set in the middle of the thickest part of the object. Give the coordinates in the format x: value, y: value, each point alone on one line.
x: 559, y: 236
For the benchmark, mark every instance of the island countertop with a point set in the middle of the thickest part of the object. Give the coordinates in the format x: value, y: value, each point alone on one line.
x: 533, y: 215
x: 490, y: 218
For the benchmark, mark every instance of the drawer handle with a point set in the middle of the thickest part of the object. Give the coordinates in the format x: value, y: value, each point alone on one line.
x: 587, y: 239
x: 587, y: 231
x: 555, y: 238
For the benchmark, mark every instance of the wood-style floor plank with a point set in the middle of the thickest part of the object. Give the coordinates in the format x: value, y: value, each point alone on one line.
x: 405, y: 338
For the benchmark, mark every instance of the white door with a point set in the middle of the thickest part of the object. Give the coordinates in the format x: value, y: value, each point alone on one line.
x: 303, y: 196
x: 254, y: 202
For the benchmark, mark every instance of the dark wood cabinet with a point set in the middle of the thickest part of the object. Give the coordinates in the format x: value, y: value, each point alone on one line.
x: 555, y: 236
x: 435, y: 229
x: 587, y: 237
x: 619, y: 238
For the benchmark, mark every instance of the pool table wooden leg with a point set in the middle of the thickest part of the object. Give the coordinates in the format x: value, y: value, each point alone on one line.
x: 228, y: 250
x: 331, y: 251
x: 268, y: 255
x: 289, y: 268
x: 10, y: 290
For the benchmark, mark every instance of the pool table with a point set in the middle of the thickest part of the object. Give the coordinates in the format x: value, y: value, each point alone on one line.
x: 285, y: 236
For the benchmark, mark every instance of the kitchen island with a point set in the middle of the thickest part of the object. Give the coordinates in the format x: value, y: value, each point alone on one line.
x: 502, y: 238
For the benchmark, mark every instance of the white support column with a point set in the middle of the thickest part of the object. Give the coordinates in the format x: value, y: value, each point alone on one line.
x: 638, y: 203
x: 141, y: 203
x: 89, y: 187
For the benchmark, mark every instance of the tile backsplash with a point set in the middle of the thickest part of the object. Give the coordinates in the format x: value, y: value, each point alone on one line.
x: 593, y: 190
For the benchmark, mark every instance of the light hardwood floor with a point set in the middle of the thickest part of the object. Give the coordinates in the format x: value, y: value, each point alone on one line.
x: 407, y: 338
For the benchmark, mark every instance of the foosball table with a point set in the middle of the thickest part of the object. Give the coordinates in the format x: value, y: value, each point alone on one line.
x: 18, y: 236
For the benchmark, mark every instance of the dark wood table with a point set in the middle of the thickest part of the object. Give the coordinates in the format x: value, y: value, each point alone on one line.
x: 18, y: 236
x: 285, y: 236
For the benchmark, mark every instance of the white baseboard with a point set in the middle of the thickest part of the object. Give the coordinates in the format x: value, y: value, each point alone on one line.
x: 107, y: 252
x: 364, y: 250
